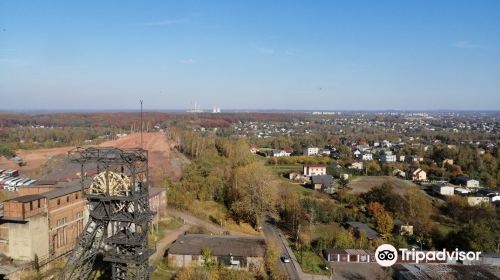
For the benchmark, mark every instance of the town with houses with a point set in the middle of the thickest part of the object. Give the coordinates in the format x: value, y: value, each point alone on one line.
x: 250, y: 140
x: 350, y: 164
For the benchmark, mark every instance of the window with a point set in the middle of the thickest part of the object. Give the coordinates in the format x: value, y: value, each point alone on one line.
x: 31, y: 205
x: 76, y: 195
x: 39, y: 203
x: 67, y: 198
x: 61, y: 235
x: 58, y: 201
x: 79, y: 222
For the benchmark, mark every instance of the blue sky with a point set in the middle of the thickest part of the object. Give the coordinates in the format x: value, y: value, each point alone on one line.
x: 324, y: 55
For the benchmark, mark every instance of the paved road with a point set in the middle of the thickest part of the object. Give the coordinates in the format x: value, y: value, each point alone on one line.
x: 271, y: 232
x: 292, y: 269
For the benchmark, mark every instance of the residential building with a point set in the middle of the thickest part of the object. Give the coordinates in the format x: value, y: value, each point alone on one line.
x: 491, y: 194
x: 388, y: 158
x: 363, y: 146
x: 314, y: 169
x: 399, y: 173
x: 357, y: 227
x: 414, y: 158
x: 443, y: 189
x: 325, y: 152
x: 236, y: 252
x: 296, y: 176
x: 476, y: 200
x: 311, y: 151
x: 367, y: 156
x: 386, y: 144
x: 447, y: 161
x: 401, y: 158
x: 403, y: 228
x: 280, y: 153
x: 324, y: 183
x: 419, y: 175
x: 466, y: 182
x: 357, y: 153
x: 356, y: 165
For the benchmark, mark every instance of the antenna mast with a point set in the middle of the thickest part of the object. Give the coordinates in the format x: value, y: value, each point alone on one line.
x: 141, y: 122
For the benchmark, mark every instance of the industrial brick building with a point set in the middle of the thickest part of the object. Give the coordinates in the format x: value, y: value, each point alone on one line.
x: 237, y: 252
x: 46, y: 220
x: 45, y: 224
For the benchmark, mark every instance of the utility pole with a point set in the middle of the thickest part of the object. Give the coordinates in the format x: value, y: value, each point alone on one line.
x: 141, y: 121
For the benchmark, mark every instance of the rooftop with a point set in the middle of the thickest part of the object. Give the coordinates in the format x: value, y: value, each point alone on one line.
x: 27, y: 198
x: 370, y: 233
x: 193, y: 244
x: 322, y: 179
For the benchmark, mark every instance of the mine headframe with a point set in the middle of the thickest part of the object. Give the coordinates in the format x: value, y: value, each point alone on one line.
x: 115, y: 183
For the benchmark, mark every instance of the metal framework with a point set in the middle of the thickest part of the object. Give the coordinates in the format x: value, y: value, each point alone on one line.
x: 115, y: 183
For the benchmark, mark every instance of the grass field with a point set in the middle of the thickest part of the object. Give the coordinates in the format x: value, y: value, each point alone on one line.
x: 310, y: 262
x: 217, y: 213
x: 363, y: 184
x: 284, y: 169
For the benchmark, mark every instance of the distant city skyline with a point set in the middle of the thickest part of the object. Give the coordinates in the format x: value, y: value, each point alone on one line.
x: 250, y: 55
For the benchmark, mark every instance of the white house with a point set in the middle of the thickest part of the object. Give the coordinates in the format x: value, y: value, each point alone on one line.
x: 280, y: 153
x: 367, y: 156
x: 314, y: 170
x: 444, y: 189
x: 311, y: 151
x: 401, y: 158
x: 356, y: 165
x: 386, y: 144
x: 419, y: 175
x: 476, y: 200
x: 363, y: 147
x: 356, y: 153
x: 399, y: 173
x: 466, y: 182
x: 325, y: 152
x: 388, y: 158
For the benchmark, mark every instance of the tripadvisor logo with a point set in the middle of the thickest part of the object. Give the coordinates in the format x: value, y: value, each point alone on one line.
x: 386, y: 255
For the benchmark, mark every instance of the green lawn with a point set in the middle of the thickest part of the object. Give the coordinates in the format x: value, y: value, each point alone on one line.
x: 312, y: 263
x: 284, y: 169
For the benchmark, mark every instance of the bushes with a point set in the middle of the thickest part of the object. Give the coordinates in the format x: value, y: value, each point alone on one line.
x: 7, y: 151
x: 300, y: 160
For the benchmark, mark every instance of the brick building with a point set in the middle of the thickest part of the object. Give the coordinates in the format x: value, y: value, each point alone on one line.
x: 46, y: 224
x: 46, y: 220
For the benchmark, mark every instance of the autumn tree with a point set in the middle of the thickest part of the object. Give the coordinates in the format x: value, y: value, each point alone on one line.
x: 383, y: 220
x: 250, y: 194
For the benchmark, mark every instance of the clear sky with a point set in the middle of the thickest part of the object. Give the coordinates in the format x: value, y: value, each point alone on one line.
x: 328, y: 55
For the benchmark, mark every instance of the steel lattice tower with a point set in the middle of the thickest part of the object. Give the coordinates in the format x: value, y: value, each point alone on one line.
x: 115, y: 183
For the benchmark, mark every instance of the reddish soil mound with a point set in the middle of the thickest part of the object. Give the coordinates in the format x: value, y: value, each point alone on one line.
x: 163, y: 159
